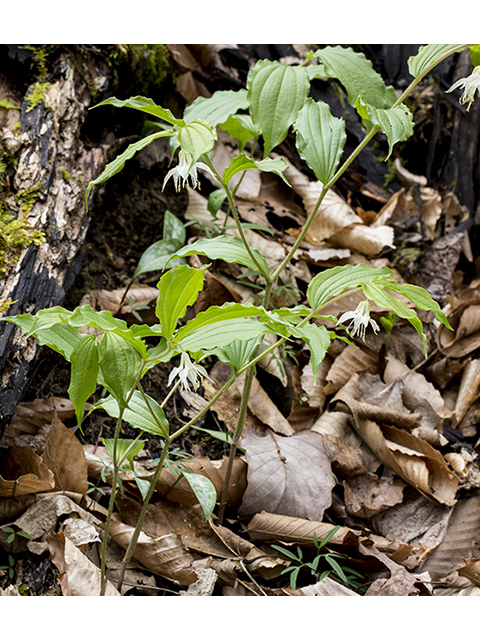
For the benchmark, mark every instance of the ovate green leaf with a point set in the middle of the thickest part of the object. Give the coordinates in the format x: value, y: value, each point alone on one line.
x: 218, y: 108
x: 318, y: 341
x: 320, y: 139
x: 382, y: 298
x: 119, y: 364
x: 197, y: 137
x: 178, y: 289
x: 204, y: 490
x: 226, y: 248
x: 276, y: 93
x: 142, y: 413
x: 242, y: 162
x: 396, y: 123
x: 219, y: 326
x: 84, y: 372
x: 428, y: 56
x: 332, y: 282
x: 357, y: 75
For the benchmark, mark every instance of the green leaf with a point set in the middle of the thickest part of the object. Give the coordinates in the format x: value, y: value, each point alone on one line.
x: 243, y: 162
x: 196, y: 138
x: 276, y: 93
x: 157, y: 255
x: 396, y: 123
x: 215, y: 201
x: 117, y: 165
x: 204, y: 490
x: 218, y: 108
x: 382, y: 298
x: 357, y: 75
x: 61, y: 338
x: 475, y: 55
x: 318, y: 341
x: 226, y: 248
x: 173, y: 228
x: 119, y: 364
x: 332, y: 282
x: 427, y: 56
x: 104, y: 320
x: 146, y: 415
x: 320, y: 139
x: 219, y: 326
x: 126, y: 449
x: 83, y: 380
x: 419, y: 296
x: 241, y: 127
x: 238, y: 353
x: 146, y: 105
x: 178, y: 289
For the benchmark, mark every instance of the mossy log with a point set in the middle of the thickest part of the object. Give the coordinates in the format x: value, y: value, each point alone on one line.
x: 44, y: 186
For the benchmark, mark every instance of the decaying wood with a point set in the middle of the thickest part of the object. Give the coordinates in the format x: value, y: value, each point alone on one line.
x: 56, y: 165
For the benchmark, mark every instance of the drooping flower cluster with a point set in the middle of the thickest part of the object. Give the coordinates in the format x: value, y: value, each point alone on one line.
x: 184, y: 170
x: 188, y: 372
x: 360, y: 319
x: 470, y: 84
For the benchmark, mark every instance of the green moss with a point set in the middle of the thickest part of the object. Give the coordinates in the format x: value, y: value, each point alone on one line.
x: 66, y: 175
x: 37, y: 94
x: 15, y: 234
x: 8, y: 104
x: 27, y: 198
x: 150, y: 63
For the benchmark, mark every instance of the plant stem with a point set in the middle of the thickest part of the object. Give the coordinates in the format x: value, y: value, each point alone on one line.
x: 235, y: 441
x: 153, y: 484
x: 231, y: 202
x: 116, y: 467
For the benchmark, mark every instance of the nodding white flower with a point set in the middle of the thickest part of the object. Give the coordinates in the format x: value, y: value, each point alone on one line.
x: 188, y: 371
x: 470, y: 84
x: 185, y: 169
x: 360, y: 319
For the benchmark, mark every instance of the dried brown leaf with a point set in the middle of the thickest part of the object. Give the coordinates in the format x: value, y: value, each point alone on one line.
x: 287, y: 475
x: 458, y: 543
x: 413, y: 459
x: 24, y: 472
x: 77, y: 575
x: 65, y: 457
x: 163, y: 554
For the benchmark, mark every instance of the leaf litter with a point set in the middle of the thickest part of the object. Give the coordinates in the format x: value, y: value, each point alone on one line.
x: 378, y: 454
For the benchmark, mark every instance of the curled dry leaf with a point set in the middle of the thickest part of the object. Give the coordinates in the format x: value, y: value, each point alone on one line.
x: 77, y: 575
x: 287, y: 475
x: 335, y: 221
x: 413, y: 459
x: 262, y: 406
x: 30, y: 416
x: 163, y: 554
x: 468, y: 391
x: 326, y: 587
x: 24, y: 472
x: 400, y: 583
x: 180, y: 490
x: 351, y: 360
x: 367, y: 495
x: 139, y: 294
x: 270, y: 527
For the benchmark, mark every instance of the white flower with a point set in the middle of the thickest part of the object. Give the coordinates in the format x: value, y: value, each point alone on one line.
x: 470, y: 84
x: 185, y: 169
x: 360, y: 319
x: 188, y: 371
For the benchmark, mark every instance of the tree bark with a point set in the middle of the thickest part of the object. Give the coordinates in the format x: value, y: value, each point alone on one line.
x: 55, y: 166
